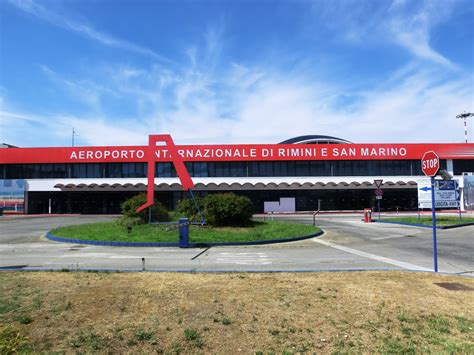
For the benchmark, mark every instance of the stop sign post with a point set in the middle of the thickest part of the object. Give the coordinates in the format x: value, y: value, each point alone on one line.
x: 430, y: 167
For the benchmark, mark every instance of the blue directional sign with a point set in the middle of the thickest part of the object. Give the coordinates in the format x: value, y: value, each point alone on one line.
x: 447, y: 184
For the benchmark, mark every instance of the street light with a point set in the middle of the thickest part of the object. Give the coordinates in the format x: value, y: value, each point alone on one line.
x: 464, y: 116
x: 74, y: 133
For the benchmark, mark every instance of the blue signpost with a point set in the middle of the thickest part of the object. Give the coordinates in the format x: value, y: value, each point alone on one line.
x: 433, y: 218
x: 430, y: 167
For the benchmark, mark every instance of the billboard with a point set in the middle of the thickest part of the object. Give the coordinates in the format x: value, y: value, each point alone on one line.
x: 12, y: 196
x: 469, y: 192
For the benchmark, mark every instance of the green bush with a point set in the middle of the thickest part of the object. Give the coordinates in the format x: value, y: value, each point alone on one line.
x: 126, y: 221
x: 187, y: 208
x: 130, y: 216
x: 227, y: 209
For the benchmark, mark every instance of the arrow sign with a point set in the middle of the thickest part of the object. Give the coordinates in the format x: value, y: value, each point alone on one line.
x: 425, y: 188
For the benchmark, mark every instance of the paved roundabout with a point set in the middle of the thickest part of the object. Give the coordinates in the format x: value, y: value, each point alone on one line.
x: 347, y: 244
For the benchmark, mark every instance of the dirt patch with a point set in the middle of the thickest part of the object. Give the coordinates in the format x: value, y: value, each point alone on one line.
x: 239, y: 312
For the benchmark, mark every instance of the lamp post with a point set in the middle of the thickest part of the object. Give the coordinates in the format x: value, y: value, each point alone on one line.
x: 464, y: 116
x: 74, y: 133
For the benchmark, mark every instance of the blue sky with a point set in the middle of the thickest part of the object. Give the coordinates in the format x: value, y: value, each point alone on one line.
x: 235, y: 71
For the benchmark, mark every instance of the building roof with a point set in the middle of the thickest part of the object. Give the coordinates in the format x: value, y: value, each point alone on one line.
x: 315, y: 139
x: 5, y: 145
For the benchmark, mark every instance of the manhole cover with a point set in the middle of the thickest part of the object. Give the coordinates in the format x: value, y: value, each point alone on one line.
x: 454, y: 286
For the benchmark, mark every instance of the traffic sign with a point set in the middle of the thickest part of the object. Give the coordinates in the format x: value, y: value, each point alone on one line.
x: 378, y: 183
x: 378, y: 192
x: 446, y: 193
x: 378, y: 197
x: 430, y: 163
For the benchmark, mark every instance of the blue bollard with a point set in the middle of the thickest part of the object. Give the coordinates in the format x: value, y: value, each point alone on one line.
x: 183, y: 233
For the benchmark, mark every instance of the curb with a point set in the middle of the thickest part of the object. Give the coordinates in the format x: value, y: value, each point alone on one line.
x: 173, y: 244
x: 426, y: 226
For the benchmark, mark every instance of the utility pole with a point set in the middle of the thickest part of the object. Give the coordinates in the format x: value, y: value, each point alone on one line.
x: 464, y: 116
x: 73, y: 134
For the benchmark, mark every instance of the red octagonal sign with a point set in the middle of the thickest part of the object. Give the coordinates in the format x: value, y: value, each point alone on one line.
x: 430, y: 163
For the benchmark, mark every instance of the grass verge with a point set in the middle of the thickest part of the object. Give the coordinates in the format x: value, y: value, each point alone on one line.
x: 110, y: 231
x: 440, y: 220
x: 363, y: 312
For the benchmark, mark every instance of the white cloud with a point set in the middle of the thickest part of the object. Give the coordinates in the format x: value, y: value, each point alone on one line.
x: 415, y: 105
x: 412, y: 30
x: 56, y: 130
x: 35, y: 9
x: 407, y: 24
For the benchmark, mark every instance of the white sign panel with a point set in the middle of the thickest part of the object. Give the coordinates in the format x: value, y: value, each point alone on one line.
x: 446, y: 193
x: 286, y: 204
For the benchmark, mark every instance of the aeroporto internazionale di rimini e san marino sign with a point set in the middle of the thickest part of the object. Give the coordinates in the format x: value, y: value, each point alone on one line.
x: 244, y: 152
x: 231, y: 152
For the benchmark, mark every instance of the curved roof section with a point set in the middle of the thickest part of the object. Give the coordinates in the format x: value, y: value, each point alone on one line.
x: 225, y: 183
x: 246, y: 185
x: 315, y: 139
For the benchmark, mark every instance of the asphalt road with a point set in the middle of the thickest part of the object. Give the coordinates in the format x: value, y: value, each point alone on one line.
x: 348, y: 244
x: 27, y: 229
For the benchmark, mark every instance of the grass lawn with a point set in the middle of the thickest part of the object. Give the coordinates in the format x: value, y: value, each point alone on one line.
x: 288, y: 313
x: 440, y: 220
x: 110, y: 231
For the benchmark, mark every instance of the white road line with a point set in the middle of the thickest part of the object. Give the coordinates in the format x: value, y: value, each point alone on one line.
x: 371, y: 256
x: 55, y: 263
x: 134, y: 257
x: 243, y: 259
x: 85, y: 255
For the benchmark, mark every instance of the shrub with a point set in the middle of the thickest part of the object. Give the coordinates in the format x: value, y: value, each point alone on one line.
x: 227, y: 209
x: 187, y: 208
x: 126, y: 221
x: 130, y: 216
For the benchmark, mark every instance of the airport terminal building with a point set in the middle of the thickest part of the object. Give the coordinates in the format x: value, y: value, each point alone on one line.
x: 300, y: 174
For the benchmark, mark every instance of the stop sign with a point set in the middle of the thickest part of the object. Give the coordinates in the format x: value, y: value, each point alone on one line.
x: 430, y: 163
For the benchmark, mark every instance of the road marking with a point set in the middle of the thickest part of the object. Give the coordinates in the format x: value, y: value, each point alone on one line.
x: 243, y: 259
x: 56, y: 263
x: 107, y: 256
x: 371, y: 256
x: 133, y: 257
x: 85, y: 255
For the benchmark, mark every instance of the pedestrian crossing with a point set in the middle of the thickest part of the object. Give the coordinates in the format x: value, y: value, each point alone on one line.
x: 243, y: 258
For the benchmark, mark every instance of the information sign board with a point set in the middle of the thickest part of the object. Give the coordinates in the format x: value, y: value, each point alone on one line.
x: 446, y: 193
